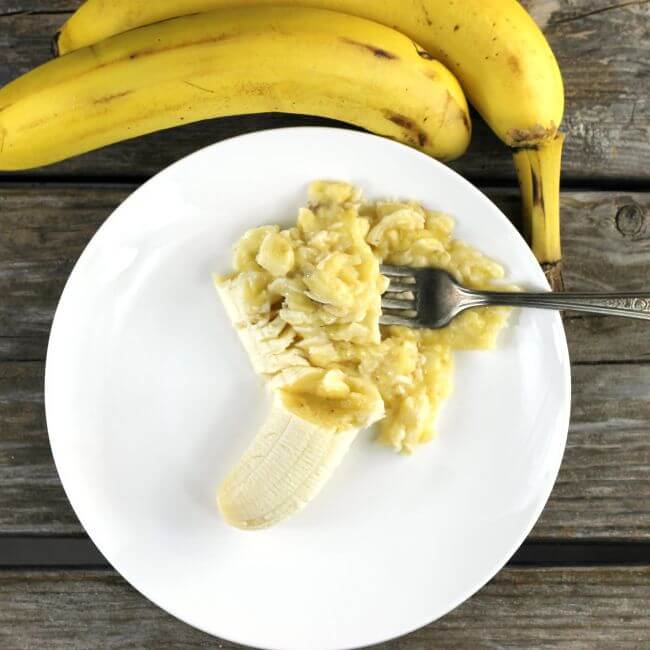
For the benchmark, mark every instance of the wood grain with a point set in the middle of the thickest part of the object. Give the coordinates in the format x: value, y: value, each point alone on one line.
x: 603, y: 50
x: 581, y: 608
x: 606, y: 238
x: 603, y: 490
x: 604, y: 485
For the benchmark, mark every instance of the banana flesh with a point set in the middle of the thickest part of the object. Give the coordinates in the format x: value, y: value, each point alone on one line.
x: 229, y: 62
x: 266, y: 342
x: 283, y: 469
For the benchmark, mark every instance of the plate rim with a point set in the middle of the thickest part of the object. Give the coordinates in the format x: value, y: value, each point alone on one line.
x: 563, y: 420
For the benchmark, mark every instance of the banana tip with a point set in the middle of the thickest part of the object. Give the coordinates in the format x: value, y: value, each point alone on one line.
x: 226, y: 513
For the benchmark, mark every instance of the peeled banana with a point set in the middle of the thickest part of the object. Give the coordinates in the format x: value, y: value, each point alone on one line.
x: 304, y: 437
x: 230, y: 62
x: 286, y: 465
x: 266, y: 343
x: 501, y: 58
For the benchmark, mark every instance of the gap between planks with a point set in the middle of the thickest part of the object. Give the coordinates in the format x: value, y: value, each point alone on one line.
x: 79, y: 552
x: 484, y: 183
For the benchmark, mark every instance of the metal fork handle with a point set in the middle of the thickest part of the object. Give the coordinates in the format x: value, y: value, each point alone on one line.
x: 632, y: 305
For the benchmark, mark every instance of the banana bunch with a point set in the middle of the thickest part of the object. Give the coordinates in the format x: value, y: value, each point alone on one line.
x: 501, y: 58
x: 135, y: 66
x: 228, y: 62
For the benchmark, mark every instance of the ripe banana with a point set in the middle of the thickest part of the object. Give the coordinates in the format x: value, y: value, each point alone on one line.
x: 228, y: 62
x: 502, y: 59
x: 295, y: 452
x: 267, y: 342
x: 494, y: 47
x: 286, y: 465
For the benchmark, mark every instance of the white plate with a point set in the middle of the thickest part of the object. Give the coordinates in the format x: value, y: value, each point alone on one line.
x: 150, y: 400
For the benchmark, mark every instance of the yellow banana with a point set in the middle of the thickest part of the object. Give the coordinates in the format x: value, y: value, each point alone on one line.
x: 494, y: 47
x: 538, y: 171
x: 226, y: 62
x: 501, y: 58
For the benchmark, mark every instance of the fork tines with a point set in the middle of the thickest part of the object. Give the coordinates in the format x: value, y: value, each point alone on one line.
x: 398, y: 309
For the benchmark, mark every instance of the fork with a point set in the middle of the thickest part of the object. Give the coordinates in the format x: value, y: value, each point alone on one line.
x: 431, y: 298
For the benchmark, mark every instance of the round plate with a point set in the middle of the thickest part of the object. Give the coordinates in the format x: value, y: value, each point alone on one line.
x: 150, y: 400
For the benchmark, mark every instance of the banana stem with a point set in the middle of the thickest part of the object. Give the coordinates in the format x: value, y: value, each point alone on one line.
x: 538, y: 170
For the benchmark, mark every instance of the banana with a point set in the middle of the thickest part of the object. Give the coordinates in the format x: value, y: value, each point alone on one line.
x: 493, y: 46
x: 300, y: 444
x: 538, y: 171
x: 501, y: 58
x: 286, y: 465
x: 230, y: 62
x: 266, y: 342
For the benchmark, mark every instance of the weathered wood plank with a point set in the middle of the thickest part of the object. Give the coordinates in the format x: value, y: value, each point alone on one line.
x: 604, y: 486
x: 603, y: 489
x: 32, y: 496
x: 606, y: 247
x: 11, y: 7
x: 581, y: 608
x: 54, y: 224
x: 606, y: 239
x: 604, y: 55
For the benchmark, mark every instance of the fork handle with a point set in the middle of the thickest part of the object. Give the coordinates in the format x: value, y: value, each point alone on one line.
x: 632, y: 305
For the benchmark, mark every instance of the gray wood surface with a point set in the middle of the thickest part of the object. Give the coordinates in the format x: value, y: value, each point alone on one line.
x: 603, y: 489
x: 580, y: 608
x: 604, y: 486
x: 44, y: 228
x: 603, y: 49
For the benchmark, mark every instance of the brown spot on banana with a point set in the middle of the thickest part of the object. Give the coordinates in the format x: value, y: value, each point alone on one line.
x: 415, y: 134
x: 156, y: 50
x: 513, y: 63
x: 379, y: 52
x: 107, y: 99
x: 258, y: 89
x: 521, y: 138
x: 455, y: 112
x: 202, y: 88
x: 538, y: 196
x: 427, y: 16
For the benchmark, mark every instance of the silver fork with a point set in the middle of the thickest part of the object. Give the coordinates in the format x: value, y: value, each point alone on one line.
x: 431, y: 298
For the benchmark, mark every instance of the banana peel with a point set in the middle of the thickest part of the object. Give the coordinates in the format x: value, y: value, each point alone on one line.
x: 538, y: 171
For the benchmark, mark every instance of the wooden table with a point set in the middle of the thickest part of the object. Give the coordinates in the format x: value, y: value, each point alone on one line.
x: 581, y: 580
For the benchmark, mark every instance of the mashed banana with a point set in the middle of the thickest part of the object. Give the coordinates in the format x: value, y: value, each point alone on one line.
x: 315, y: 289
